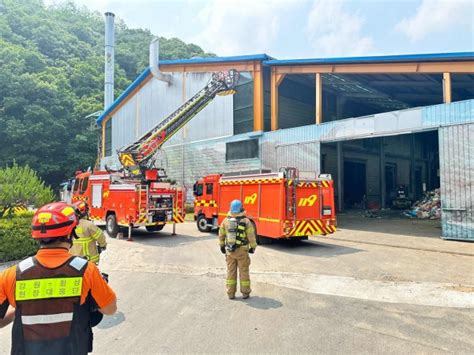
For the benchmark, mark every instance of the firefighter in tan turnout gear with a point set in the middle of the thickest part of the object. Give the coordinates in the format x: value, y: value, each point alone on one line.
x: 237, y: 240
x: 91, y: 240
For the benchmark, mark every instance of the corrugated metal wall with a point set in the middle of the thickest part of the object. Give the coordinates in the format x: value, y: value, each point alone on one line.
x: 304, y: 156
x: 192, y: 161
x: 156, y: 100
x: 456, y: 151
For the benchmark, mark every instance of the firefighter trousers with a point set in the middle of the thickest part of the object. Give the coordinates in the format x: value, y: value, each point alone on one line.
x: 238, y: 259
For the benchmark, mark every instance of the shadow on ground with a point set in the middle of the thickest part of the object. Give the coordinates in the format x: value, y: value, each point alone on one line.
x: 391, y: 222
x: 164, y: 238
x: 262, y: 302
x: 111, y: 321
x: 310, y: 248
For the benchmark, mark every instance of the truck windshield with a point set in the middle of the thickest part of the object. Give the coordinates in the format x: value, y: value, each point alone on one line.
x: 76, y: 185
x: 84, y: 185
x: 198, y: 189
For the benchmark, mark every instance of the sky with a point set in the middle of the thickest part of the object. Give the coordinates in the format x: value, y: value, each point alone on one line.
x: 287, y: 29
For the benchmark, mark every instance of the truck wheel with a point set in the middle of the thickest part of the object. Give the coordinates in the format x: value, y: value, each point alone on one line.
x: 156, y: 228
x: 202, y: 224
x: 260, y: 240
x: 111, y: 226
x: 264, y: 240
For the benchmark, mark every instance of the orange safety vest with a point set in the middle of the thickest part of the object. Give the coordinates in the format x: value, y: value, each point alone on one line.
x: 49, y: 318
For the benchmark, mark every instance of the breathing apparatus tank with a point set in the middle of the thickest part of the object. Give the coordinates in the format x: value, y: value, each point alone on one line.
x: 231, y: 236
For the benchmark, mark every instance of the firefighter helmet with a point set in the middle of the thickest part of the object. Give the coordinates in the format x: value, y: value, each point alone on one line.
x: 53, y: 220
x: 81, y: 208
x: 236, y: 207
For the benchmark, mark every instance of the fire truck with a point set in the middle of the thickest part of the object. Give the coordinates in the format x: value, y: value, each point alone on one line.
x: 138, y: 195
x: 284, y: 204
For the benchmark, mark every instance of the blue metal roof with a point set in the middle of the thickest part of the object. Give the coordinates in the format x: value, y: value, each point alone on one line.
x: 146, y: 72
x: 238, y: 58
x: 437, y: 57
x: 267, y: 60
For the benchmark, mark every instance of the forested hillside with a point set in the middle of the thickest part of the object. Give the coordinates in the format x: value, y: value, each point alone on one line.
x: 51, y: 78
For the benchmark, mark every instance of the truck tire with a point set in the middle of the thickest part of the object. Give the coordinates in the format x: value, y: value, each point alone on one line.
x: 156, y: 228
x: 264, y: 240
x: 202, y: 224
x: 111, y: 226
x: 260, y: 240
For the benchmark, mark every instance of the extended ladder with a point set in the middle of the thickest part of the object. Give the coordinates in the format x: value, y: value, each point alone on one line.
x: 137, y: 156
x: 292, y: 180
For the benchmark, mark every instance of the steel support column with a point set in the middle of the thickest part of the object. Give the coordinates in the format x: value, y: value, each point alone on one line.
x: 447, y: 88
x: 340, y: 177
x: 319, y: 98
x: 258, y: 97
x: 383, y: 187
x: 412, y: 166
x: 276, y: 79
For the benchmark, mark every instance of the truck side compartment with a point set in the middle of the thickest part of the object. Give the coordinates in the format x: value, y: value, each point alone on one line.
x: 280, y: 204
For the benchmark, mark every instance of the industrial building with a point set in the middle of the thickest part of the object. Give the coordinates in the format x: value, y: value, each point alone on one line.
x: 373, y: 123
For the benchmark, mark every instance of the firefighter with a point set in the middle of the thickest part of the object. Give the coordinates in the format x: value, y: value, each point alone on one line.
x: 91, y: 240
x: 50, y: 297
x: 237, y: 240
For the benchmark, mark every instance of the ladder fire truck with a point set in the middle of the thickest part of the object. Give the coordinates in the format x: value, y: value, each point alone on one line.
x: 137, y: 194
x: 286, y: 204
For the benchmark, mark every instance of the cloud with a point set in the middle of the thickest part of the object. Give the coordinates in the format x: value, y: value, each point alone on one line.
x: 98, y: 5
x: 437, y: 16
x: 235, y: 27
x: 333, y: 30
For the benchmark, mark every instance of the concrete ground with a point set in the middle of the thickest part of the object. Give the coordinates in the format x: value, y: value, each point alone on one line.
x: 377, y: 285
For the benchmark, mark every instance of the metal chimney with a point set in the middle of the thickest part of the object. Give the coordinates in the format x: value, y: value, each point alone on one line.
x: 154, y: 62
x: 109, y: 59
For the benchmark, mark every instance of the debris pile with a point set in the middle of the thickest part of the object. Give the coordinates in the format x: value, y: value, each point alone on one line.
x: 429, y: 207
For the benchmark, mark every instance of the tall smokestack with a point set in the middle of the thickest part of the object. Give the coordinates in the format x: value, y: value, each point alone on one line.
x: 109, y: 59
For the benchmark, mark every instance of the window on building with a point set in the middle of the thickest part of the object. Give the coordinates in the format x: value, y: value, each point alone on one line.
x: 108, y: 138
x: 243, y: 104
x: 247, y: 149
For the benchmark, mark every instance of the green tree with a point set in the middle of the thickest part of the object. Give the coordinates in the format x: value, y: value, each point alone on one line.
x: 51, y: 75
x: 21, y: 185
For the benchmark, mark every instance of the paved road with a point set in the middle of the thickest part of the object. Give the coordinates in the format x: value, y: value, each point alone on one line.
x: 355, y: 292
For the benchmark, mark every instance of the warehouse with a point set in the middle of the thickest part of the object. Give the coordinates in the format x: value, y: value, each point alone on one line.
x: 374, y: 123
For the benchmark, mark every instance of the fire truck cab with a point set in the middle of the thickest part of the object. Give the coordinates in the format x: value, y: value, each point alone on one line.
x: 286, y: 204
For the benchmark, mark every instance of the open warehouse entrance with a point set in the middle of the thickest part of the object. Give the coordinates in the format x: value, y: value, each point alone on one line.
x: 385, y: 172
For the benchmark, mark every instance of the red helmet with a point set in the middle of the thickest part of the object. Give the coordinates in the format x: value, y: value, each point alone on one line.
x: 81, y: 207
x: 53, y: 220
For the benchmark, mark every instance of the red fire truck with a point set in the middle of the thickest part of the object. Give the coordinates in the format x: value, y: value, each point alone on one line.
x: 124, y: 203
x: 138, y: 194
x: 287, y: 204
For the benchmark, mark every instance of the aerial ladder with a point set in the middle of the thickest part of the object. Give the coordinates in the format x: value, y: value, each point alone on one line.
x: 136, y: 195
x: 137, y: 157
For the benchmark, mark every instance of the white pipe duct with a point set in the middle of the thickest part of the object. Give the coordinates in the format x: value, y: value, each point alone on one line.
x: 154, y: 62
x: 109, y: 59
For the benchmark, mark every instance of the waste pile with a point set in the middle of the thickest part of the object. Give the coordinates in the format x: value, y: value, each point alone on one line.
x: 429, y: 207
